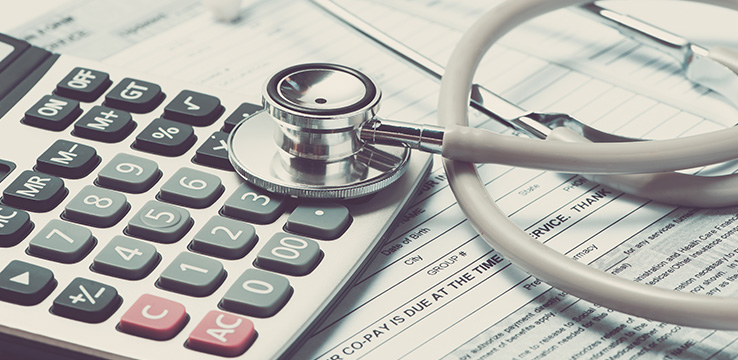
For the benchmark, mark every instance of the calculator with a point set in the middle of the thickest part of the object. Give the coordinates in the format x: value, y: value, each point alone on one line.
x: 126, y: 234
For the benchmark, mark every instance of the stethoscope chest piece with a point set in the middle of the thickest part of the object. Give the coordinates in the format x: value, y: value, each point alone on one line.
x: 305, y: 143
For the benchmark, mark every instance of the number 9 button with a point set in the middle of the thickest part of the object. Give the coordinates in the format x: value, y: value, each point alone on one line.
x: 129, y: 173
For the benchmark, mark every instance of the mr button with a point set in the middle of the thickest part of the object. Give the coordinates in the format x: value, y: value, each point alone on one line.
x: 35, y: 191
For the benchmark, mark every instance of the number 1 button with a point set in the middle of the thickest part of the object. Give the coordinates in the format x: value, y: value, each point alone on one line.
x: 192, y: 274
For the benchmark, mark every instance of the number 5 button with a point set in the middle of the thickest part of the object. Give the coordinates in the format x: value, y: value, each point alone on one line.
x: 160, y: 222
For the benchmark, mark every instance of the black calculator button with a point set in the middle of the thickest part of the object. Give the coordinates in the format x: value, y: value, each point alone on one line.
x: 242, y: 112
x: 68, y: 159
x: 52, y: 113
x: 194, y: 108
x: 14, y: 226
x: 25, y: 284
x: 87, y: 300
x: 134, y: 95
x: 319, y: 220
x: 83, y: 84
x: 104, y: 124
x: 214, y: 152
x: 35, y: 191
x: 165, y: 137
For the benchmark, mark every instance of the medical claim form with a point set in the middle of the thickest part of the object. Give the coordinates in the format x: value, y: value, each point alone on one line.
x: 438, y: 290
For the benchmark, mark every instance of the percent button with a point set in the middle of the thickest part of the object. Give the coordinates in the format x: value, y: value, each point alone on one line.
x: 165, y: 137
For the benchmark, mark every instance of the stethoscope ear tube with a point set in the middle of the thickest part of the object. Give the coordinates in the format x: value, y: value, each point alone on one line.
x: 505, y: 237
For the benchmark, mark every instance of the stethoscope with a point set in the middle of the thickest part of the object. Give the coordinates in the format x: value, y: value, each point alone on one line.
x: 319, y: 136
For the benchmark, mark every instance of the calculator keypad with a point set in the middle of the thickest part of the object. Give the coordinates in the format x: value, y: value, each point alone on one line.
x: 123, y: 225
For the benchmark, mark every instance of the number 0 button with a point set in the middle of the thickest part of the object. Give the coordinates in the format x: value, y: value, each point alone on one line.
x: 289, y: 254
x: 257, y: 293
x: 192, y: 274
x: 160, y: 222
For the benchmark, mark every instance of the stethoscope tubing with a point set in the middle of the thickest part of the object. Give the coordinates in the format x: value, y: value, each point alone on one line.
x: 546, y: 264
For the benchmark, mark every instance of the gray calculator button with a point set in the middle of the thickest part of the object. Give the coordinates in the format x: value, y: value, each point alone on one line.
x: 192, y: 274
x: 319, y: 220
x: 191, y: 188
x: 129, y: 173
x: 126, y: 258
x: 289, y: 254
x: 252, y: 204
x: 225, y: 238
x: 62, y: 241
x: 97, y: 207
x: 257, y: 293
x: 159, y: 222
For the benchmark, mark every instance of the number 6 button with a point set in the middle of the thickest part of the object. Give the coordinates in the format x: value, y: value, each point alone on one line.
x: 191, y: 188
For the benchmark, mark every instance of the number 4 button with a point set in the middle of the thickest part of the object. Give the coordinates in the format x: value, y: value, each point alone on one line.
x: 126, y: 258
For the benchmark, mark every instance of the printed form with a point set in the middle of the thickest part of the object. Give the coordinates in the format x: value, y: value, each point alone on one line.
x: 437, y: 290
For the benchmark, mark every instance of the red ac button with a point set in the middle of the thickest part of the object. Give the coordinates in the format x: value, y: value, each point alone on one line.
x: 154, y: 318
x: 222, y: 334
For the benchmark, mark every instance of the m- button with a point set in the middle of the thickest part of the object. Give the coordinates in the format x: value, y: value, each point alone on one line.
x: 136, y: 96
x: 68, y: 159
